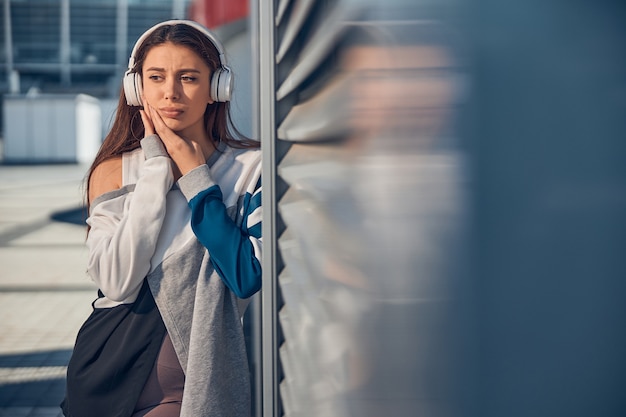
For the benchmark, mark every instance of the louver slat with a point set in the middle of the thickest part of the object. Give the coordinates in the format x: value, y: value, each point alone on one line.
x: 320, y: 118
x: 321, y: 43
x: 298, y: 16
x: 282, y: 7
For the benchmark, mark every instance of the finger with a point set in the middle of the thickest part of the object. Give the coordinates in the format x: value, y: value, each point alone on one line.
x: 157, y: 121
x: 147, y: 122
x: 145, y: 116
x: 161, y: 128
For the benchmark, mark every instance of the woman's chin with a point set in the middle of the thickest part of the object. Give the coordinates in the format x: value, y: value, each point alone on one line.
x: 177, y: 128
x: 173, y: 124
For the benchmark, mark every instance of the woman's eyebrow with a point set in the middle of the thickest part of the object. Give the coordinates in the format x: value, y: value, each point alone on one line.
x: 157, y: 69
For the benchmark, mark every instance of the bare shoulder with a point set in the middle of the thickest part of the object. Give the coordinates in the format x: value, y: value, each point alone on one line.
x: 107, y: 176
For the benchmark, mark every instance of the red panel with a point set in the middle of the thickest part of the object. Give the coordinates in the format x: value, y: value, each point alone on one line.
x: 215, y: 13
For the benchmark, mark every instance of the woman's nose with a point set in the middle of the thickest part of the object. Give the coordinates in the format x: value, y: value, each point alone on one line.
x: 171, y: 89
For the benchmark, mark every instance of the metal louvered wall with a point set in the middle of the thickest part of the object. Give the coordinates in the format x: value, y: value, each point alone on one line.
x: 364, y: 207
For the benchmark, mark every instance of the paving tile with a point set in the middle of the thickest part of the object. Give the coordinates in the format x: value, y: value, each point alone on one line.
x: 46, y: 412
x: 15, y: 411
x: 45, y: 295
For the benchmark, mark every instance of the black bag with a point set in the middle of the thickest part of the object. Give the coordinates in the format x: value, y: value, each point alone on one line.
x: 113, y: 356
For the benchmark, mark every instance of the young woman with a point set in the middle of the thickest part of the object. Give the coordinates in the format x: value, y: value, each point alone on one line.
x: 174, y: 241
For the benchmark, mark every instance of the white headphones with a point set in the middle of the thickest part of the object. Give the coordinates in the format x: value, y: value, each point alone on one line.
x: 221, y: 80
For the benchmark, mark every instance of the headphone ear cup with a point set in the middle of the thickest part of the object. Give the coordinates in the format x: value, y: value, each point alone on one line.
x: 221, y: 85
x: 132, y: 88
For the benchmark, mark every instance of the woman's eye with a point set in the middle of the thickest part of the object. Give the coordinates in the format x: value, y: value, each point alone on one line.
x: 188, y: 78
x: 155, y: 77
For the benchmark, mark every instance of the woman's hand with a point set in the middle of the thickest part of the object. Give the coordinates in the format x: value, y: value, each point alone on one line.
x: 186, y: 154
x: 147, y: 123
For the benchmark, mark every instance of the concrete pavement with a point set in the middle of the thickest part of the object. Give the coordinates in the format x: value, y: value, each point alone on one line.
x: 45, y: 294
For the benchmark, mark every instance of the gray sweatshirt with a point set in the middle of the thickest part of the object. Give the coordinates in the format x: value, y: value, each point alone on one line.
x: 198, y: 242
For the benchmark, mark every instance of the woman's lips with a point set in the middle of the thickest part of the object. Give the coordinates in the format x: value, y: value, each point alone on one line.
x: 171, y: 112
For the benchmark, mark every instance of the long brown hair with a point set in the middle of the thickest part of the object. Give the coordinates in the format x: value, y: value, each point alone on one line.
x: 128, y: 130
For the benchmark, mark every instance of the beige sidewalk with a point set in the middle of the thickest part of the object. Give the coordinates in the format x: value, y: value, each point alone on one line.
x: 45, y: 294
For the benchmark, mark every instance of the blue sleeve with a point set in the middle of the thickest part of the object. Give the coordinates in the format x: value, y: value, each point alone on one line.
x: 234, y: 250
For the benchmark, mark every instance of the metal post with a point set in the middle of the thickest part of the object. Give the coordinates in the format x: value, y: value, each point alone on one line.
x: 64, y: 51
x: 266, y: 131
x: 121, y: 35
x: 12, y: 80
x: 178, y: 9
x: 257, y: 321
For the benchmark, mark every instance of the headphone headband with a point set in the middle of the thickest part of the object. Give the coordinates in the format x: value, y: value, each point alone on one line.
x: 221, y: 81
x: 191, y: 23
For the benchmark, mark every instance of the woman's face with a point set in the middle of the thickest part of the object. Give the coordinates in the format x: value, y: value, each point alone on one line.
x: 176, y: 83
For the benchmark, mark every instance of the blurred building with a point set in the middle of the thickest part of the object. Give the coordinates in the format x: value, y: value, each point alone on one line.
x: 74, y: 46
x: 63, y: 47
x: 59, y: 49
